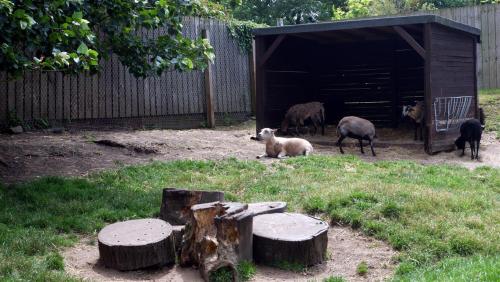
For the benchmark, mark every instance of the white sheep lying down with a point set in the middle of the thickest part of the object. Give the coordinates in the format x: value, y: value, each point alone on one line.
x: 279, y: 147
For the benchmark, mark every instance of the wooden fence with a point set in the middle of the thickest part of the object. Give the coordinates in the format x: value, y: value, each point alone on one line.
x: 115, y: 97
x: 486, y: 18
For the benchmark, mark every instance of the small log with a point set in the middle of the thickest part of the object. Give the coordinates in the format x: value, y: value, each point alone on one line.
x: 136, y: 244
x: 267, y: 207
x: 217, y: 235
x: 177, y: 232
x: 289, y: 238
x: 176, y: 203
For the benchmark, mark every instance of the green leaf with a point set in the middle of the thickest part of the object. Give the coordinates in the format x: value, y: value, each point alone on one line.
x: 83, y: 49
x: 188, y: 63
x: 23, y: 24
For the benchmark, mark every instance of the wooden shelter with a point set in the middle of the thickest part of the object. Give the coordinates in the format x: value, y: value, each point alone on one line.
x: 371, y: 68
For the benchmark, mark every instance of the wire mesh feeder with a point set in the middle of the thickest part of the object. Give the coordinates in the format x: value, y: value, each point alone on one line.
x: 450, y: 112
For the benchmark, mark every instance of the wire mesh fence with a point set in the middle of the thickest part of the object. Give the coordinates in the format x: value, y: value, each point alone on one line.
x: 115, y: 96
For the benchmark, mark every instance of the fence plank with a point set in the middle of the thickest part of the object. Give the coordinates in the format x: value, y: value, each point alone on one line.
x: 497, y: 44
x: 116, y: 93
x: 4, y: 89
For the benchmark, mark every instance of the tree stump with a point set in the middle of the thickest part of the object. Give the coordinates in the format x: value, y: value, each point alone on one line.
x: 217, y: 235
x: 267, y: 207
x: 289, y: 238
x: 136, y: 244
x: 176, y: 203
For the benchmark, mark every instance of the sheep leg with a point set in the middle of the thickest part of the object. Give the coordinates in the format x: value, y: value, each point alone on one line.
x: 282, y: 155
x: 421, y: 132
x: 361, y: 146
x: 339, y: 143
x: 416, y: 130
x: 371, y: 146
x: 471, y: 143
x: 477, y: 149
x: 261, y: 156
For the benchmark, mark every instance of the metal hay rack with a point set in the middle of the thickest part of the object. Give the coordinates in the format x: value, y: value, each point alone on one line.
x: 451, y: 112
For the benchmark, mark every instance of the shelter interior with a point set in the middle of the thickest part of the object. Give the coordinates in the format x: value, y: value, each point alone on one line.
x: 370, y: 71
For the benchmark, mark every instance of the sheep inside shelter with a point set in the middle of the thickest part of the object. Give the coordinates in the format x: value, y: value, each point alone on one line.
x: 370, y: 68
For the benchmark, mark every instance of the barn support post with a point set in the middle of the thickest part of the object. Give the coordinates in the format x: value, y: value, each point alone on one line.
x: 410, y: 40
x: 260, y: 76
x: 251, y: 60
x: 395, y: 88
x: 209, y: 89
x: 476, y: 98
x: 427, y: 92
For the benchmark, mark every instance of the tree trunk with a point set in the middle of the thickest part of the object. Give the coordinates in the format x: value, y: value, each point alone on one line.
x: 176, y: 203
x: 289, y: 238
x: 217, y: 235
x: 136, y: 244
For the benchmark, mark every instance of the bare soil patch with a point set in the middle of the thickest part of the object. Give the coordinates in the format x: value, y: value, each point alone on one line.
x: 75, y: 153
x: 346, y: 248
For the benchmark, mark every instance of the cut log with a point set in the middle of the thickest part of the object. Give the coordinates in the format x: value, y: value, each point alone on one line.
x: 176, y: 203
x: 136, y: 244
x: 267, y: 207
x: 217, y: 235
x: 177, y: 233
x: 289, y: 238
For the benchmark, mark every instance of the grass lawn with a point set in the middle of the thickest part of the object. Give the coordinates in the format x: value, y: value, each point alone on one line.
x: 490, y: 101
x: 444, y: 220
x: 433, y: 214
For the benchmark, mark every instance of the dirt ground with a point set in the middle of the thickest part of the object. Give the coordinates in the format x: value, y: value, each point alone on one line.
x: 74, y: 153
x: 346, y: 249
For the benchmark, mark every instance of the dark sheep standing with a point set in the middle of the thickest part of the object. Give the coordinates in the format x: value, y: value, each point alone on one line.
x: 471, y: 131
x: 357, y: 128
x: 298, y: 114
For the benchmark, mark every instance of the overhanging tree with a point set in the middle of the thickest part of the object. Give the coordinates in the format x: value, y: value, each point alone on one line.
x: 72, y: 35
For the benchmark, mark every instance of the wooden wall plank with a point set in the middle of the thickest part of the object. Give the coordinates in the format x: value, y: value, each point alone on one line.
x: 51, y: 95
x: 497, y: 44
x: 67, y: 97
x: 43, y: 95
x: 20, y: 83
x: 3, y: 97
x: 59, y: 95
x: 28, y: 96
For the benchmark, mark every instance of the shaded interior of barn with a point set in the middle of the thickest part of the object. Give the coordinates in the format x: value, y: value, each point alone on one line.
x: 368, y: 72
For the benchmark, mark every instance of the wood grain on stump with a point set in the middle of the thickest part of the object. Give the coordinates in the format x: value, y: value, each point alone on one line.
x: 267, y: 207
x: 136, y: 244
x: 176, y: 203
x: 217, y: 235
x: 289, y: 238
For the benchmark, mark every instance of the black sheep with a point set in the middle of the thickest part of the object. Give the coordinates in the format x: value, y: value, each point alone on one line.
x: 470, y: 131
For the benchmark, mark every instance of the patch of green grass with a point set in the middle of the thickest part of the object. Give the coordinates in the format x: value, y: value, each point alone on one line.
x: 223, y: 274
x: 334, y: 279
x: 362, y: 268
x: 431, y: 214
x: 489, y: 100
x: 246, y: 270
x: 476, y: 268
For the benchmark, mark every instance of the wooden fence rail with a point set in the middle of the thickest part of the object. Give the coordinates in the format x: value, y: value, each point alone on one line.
x: 118, y: 98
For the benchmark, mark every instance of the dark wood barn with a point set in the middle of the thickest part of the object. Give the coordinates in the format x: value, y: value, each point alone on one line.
x: 371, y: 68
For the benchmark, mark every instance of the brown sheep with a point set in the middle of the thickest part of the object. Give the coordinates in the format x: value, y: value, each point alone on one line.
x: 416, y: 114
x: 299, y: 113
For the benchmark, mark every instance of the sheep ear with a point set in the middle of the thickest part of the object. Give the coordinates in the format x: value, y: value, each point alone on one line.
x: 274, y: 130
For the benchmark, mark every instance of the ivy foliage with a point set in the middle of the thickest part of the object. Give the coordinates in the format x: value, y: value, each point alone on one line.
x: 72, y: 35
x: 241, y: 31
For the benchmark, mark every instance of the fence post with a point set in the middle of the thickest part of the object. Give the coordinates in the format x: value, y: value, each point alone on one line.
x: 209, y: 88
